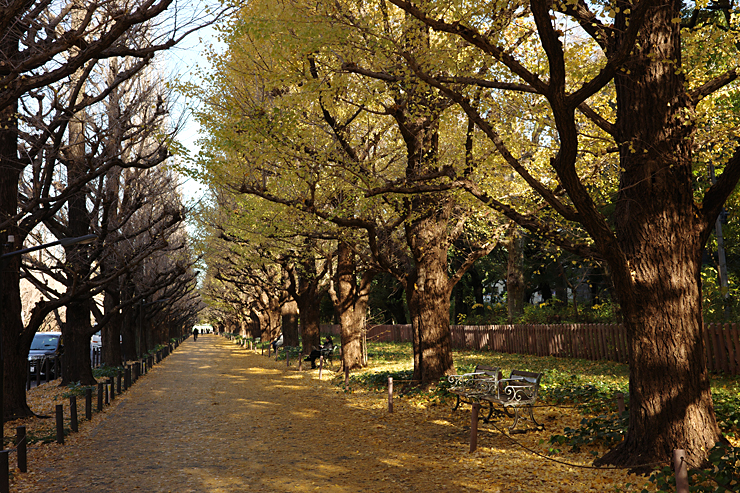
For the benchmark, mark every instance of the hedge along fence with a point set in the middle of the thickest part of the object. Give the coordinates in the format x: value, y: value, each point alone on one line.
x: 586, y: 341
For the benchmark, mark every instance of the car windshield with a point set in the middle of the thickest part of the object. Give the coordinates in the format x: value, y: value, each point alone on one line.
x: 44, y: 341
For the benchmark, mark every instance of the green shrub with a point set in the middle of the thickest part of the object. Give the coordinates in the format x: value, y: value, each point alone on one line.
x: 605, y: 429
x: 106, y: 371
x: 76, y: 388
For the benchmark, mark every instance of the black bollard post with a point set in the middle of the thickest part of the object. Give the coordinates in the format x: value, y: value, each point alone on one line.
x: 88, y: 403
x: 4, y: 473
x: 73, y: 413
x: 118, y: 382
x: 60, y: 424
x: 100, y: 397
x: 20, y: 447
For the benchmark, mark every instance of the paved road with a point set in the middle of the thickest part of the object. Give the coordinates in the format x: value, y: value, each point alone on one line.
x: 215, y: 418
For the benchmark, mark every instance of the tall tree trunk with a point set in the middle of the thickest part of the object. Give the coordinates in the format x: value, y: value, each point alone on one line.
x: 514, y: 274
x: 397, y: 304
x: 16, y: 341
x: 290, y: 324
x: 660, y: 292
x: 77, y: 329
x: 428, y: 291
x: 111, y: 332
x: 477, y: 284
x: 310, y: 313
x: 460, y: 307
x: 350, y: 302
x: 76, y: 333
x: 129, y: 322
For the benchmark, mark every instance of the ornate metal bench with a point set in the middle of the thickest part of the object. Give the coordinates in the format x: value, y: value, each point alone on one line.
x: 328, y: 353
x: 518, y: 391
x: 468, y: 387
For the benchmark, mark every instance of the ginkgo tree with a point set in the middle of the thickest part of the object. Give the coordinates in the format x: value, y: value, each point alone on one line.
x: 657, y: 120
x: 310, y: 111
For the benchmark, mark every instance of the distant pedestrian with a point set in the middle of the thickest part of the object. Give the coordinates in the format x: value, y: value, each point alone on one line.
x: 195, y: 335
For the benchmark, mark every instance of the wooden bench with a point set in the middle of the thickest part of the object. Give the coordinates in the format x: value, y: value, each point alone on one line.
x: 518, y: 391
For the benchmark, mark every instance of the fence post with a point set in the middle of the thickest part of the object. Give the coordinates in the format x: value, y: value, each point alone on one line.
x: 88, y: 403
x: 474, y: 427
x: 682, y: 473
x: 73, y: 413
x: 20, y: 446
x: 321, y: 365
x: 118, y: 382
x: 390, y: 394
x: 346, y: 378
x: 60, y: 424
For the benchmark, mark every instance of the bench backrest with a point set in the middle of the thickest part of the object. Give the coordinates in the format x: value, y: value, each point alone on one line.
x: 487, y: 371
x: 529, y: 378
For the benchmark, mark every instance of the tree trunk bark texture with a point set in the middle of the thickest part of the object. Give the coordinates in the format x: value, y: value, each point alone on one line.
x: 16, y: 340
x: 428, y: 293
x: 514, y: 274
x: 660, y: 291
x: 76, y: 333
x: 308, y: 307
x: 289, y: 324
x: 351, y: 304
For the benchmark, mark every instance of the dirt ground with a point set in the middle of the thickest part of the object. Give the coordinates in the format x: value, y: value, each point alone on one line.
x: 216, y: 418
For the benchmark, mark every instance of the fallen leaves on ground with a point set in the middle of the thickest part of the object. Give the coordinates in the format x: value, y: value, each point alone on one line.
x: 220, y: 419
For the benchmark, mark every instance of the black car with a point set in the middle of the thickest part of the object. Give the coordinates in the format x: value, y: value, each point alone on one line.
x: 45, y: 345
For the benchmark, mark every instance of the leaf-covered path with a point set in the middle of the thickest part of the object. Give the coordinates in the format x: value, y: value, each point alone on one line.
x: 216, y: 418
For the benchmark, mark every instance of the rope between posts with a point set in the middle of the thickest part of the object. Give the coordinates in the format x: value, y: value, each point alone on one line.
x: 581, y: 466
x: 15, y: 448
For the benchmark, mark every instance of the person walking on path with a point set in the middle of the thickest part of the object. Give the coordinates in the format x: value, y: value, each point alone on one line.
x: 195, y: 335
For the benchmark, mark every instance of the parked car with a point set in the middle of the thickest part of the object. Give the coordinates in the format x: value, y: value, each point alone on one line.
x: 45, y: 345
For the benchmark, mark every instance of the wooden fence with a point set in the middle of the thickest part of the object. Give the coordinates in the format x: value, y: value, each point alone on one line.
x: 586, y: 341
